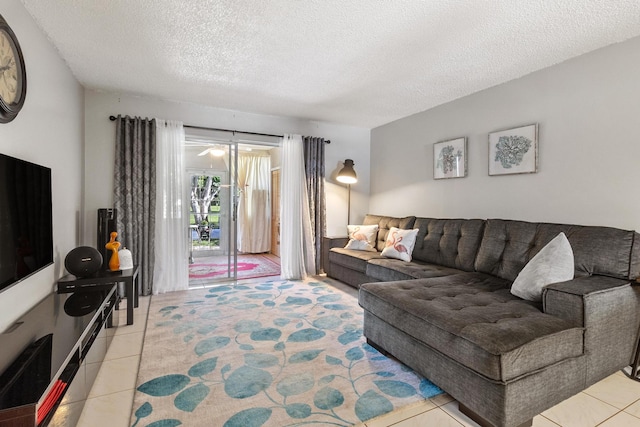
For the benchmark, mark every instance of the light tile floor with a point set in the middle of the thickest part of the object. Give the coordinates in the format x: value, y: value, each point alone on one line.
x: 613, y: 402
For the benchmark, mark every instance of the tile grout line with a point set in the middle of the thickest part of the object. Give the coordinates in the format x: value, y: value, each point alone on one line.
x: 613, y: 406
x: 550, y: 420
x: 111, y: 393
x: 454, y: 418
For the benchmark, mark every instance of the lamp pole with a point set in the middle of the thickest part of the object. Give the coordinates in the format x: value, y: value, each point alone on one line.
x: 348, y: 204
x: 348, y: 176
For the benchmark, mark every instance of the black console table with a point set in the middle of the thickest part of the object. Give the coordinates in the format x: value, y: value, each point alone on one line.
x: 102, y: 279
x: 50, y: 360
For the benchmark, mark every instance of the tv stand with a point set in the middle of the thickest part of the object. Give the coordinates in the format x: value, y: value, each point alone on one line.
x: 54, y: 365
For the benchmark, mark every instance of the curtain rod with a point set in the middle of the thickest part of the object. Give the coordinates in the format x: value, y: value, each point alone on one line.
x: 328, y: 141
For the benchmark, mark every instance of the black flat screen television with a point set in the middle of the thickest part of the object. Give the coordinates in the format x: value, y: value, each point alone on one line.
x: 26, y: 230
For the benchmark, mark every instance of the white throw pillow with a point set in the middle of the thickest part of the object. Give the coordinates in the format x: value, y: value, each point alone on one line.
x: 553, y: 264
x: 362, y: 237
x: 400, y: 243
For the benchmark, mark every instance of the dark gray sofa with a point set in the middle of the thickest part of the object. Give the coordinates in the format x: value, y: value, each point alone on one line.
x: 449, y: 313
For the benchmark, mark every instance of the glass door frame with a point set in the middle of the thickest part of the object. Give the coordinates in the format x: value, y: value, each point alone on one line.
x: 228, y: 193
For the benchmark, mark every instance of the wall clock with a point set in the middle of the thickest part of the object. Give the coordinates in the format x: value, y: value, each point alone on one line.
x: 13, y: 76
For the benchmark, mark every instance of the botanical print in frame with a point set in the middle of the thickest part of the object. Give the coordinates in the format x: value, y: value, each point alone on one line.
x: 514, y: 151
x: 450, y: 159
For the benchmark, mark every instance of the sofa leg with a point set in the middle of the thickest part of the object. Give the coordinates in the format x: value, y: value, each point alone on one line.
x: 380, y: 349
x: 483, y: 422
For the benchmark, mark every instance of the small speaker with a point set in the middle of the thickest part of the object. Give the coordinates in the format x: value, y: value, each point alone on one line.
x: 82, y: 303
x: 83, y: 261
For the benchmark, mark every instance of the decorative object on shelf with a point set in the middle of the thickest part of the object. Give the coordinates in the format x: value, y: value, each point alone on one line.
x: 83, y: 261
x: 113, y: 245
x: 13, y: 75
x: 347, y: 175
x: 126, y: 259
x: 514, y: 151
x: 450, y: 159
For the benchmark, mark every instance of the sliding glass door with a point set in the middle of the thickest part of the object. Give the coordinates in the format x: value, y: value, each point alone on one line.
x: 212, y: 228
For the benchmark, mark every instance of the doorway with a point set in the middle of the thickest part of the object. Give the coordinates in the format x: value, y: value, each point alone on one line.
x: 212, y: 226
x: 208, y: 221
x: 227, y: 209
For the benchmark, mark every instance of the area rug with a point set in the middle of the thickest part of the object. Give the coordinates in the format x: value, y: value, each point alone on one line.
x: 249, y: 267
x: 278, y: 353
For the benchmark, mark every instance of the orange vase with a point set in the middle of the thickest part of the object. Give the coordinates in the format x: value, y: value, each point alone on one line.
x: 113, y: 245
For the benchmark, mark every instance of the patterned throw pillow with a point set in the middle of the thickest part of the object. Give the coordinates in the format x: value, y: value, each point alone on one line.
x: 400, y: 243
x: 554, y: 263
x: 362, y: 237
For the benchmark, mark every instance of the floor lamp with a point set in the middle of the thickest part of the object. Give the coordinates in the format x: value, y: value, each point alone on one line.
x: 347, y: 175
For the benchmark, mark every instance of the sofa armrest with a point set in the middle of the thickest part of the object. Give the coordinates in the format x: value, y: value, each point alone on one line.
x: 608, y: 310
x: 568, y: 299
x: 327, y: 244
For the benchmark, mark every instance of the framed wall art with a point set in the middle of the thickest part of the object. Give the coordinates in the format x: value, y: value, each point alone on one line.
x: 514, y: 151
x: 450, y: 159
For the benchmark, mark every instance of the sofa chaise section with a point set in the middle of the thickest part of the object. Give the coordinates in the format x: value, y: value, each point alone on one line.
x: 473, y: 319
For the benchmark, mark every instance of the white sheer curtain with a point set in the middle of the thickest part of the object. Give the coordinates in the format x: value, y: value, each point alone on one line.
x: 254, y: 180
x: 170, y: 272
x: 297, y: 257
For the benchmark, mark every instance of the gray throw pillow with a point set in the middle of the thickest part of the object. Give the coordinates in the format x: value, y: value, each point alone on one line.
x: 553, y: 264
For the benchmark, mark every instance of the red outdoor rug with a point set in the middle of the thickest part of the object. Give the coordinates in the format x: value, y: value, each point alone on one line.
x: 249, y: 267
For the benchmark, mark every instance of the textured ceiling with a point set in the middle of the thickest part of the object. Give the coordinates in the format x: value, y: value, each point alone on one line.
x: 358, y: 62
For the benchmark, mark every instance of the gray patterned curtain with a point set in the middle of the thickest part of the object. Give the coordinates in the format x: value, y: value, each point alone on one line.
x: 314, y: 169
x: 134, y: 192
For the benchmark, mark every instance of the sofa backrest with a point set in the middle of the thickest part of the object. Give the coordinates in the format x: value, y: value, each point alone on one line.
x: 385, y: 223
x: 449, y: 242
x: 508, y: 245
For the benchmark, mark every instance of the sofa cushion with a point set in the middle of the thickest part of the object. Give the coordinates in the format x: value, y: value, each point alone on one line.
x: 553, y: 264
x: 385, y: 270
x: 452, y: 243
x: 507, y: 246
x: 355, y: 260
x: 385, y: 223
x: 474, y: 319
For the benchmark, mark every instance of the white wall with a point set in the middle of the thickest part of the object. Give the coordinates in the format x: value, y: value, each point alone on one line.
x: 48, y: 131
x: 588, y: 111
x: 346, y: 142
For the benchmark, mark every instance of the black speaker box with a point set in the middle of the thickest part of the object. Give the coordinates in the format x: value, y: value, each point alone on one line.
x: 107, y: 223
x: 83, y: 261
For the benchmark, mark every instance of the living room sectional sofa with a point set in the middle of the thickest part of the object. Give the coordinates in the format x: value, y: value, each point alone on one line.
x: 449, y: 313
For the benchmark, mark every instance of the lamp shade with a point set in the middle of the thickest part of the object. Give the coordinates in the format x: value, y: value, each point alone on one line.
x: 347, y: 174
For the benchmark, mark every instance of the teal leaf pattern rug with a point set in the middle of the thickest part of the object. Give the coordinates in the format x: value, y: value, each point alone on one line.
x: 279, y: 353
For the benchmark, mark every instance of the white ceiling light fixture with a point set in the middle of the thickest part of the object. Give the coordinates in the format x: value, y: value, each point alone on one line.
x: 215, y: 151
